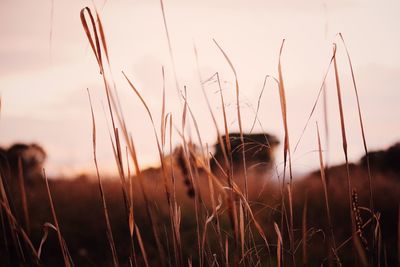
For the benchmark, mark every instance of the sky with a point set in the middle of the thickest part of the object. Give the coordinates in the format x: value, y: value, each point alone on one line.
x: 46, y: 66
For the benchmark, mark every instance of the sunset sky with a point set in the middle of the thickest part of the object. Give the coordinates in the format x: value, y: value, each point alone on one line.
x: 46, y: 65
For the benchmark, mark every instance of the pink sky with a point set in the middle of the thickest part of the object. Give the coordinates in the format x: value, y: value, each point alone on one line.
x: 43, y: 84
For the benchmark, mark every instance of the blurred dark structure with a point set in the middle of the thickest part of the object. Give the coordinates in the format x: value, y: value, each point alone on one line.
x: 384, y: 160
x: 30, y: 156
x: 259, y: 150
x: 184, y: 164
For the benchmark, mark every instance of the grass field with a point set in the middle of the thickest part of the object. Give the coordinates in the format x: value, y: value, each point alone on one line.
x: 189, y: 213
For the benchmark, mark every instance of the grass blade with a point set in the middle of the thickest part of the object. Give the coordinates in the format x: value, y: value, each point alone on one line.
x: 361, y: 125
x: 24, y: 201
x: 279, y: 245
x: 331, y: 236
x: 103, y: 199
x: 63, y: 246
x: 356, y: 240
x: 238, y: 116
x: 171, y: 54
x: 315, y: 102
x: 141, y: 245
x: 304, y: 231
x: 286, y: 154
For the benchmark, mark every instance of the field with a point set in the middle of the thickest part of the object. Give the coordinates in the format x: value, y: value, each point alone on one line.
x: 81, y: 219
x: 228, y: 208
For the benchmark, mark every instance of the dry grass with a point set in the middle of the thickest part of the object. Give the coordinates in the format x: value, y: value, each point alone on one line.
x: 156, y: 223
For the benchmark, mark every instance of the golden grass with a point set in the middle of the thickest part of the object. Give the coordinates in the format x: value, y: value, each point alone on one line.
x: 228, y: 228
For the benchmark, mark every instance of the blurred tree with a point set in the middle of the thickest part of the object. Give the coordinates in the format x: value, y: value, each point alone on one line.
x: 259, y: 150
x: 384, y: 160
x: 32, y: 157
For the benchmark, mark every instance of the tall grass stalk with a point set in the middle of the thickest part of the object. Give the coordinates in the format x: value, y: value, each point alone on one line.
x: 286, y: 157
x: 304, y: 231
x: 224, y: 153
x: 279, y: 246
x: 356, y: 241
x: 237, y: 232
x: 24, y: 201
x: 18, y: 235
x: 331, y: 236
x: 360, y: 118
x: 227, y: 168
x: 398, y: 235
x: 103, y: 199
x: 63, y: 246
x: 170, y: 50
